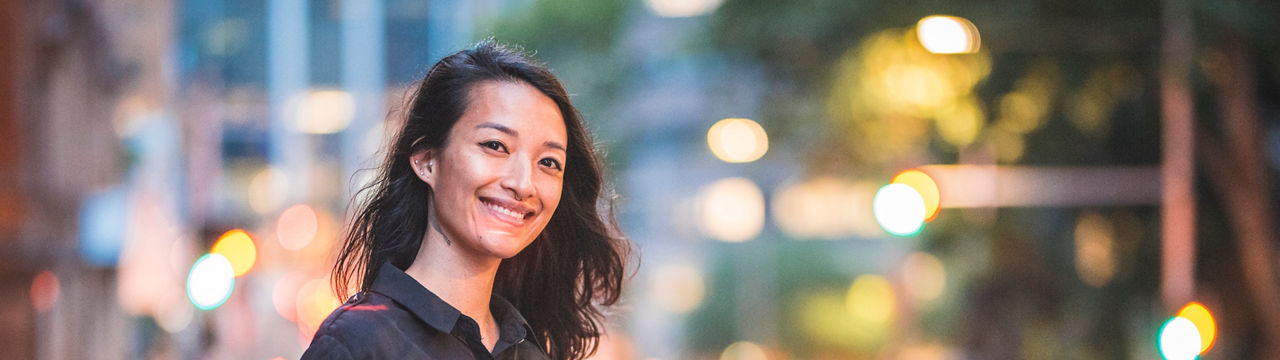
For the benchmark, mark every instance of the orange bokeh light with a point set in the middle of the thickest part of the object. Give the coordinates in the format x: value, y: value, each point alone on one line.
x: 927, y: 188
x: 1203, y: 319
x: 44, y: 291
x: 237, y: 246
x: 314, y: 303
x: 297, y: 226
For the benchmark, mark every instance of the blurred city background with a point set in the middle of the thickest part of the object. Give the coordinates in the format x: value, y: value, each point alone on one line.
x: 806, y: 179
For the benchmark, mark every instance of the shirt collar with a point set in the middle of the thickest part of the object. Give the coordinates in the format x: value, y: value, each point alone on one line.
x: 425, y: 305
x: 409, y: 293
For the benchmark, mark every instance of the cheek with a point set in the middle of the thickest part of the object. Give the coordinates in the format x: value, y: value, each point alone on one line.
x: 551, y: 194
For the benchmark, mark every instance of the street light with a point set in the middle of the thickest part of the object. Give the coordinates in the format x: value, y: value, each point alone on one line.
x: 941, y: 34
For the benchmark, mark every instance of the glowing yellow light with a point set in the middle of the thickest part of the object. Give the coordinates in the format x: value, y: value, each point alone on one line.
x: 916, y: 86
x: 923, y: 275
x: 871, y: 301
x: 744, y: 350
x: 1179, y: 340
x: 1203, y: 320
x: 948, y: 35
x: 899, y: 209
x: 960, y: 122
x: 238, y: 248
x: 297, y: 227
x: 324, y: 111
x: 44, y: 291
x: 891, y: 87
x: 823, y: 317
x: 737, y: 140
x: 731, y: 210
x: 677, y: 288
x: 682, y: 8
x: 1095, y: 254
x: 267, y: 190
x: 924, y: 185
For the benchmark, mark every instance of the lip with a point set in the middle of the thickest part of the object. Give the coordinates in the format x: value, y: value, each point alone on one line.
x: 501, y: 210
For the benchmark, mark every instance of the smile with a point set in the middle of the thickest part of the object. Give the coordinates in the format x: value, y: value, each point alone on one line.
x: 515, y: 216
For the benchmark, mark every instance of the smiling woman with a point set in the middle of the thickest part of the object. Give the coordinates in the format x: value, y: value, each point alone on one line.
x: 481, y: 237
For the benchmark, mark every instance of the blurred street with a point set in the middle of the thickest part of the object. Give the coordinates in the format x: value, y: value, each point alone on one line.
x: 807, y: 179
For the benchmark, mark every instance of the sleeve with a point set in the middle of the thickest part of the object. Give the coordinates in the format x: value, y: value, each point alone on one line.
x: 327, y: 347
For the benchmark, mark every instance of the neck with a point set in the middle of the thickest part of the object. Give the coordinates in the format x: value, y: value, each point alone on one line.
x: 464, y: 281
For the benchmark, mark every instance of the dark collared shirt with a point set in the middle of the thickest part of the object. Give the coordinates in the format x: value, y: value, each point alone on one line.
x: 398, y: 318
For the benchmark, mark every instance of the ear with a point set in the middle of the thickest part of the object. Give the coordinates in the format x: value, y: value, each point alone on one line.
x: 424, y: 165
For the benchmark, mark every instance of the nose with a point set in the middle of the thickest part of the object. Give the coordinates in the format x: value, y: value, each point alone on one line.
x: 519, y: 178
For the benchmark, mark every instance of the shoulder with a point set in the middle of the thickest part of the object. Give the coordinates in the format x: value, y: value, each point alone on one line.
x: 366, y: 326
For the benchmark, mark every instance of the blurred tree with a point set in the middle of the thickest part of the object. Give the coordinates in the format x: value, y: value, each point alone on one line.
x: 1069, y: 83
x: 575, y: 37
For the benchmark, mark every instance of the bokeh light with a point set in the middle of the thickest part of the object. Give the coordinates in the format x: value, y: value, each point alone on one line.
x: 45, y: 290
x: 268, y: 190
x: 737, y: 140
x: 314, y: 303
x: 682, y: 8
x: 284, y: 295
x: 948, y: 35
x: 1095, y: 249
x: 677, y: 288
x: 1203, y: 320
x: 731, y: 210
x: 297, y: 227
x: 238, y: 248
x: 923, y: 276
x: 871, y: 301
x: 925, y: 186
x: 1179, y: 339
x: 743, y: 350
x: 899, y: 209
x: 324, y: 111
x: 824, y: 318
x: 210, y: 281
x: 820, y: 208
x: 892, y: 87
x: 104, y: 220
x: 960, y: 122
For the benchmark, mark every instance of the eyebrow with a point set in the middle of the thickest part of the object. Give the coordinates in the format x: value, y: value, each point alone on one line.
x: 499, y: 127
x: 512, y: 132
x: 554, y: 145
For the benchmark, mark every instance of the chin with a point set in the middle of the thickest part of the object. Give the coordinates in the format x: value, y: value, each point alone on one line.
x: 504, y: 245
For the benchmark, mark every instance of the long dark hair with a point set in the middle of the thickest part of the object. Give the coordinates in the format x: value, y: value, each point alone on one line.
x: 574, y: 265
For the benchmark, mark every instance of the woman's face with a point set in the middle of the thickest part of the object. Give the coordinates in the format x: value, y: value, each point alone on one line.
x: 498, y: 178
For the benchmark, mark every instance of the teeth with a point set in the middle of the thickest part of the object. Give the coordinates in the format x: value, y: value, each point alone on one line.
x: 505, y: 211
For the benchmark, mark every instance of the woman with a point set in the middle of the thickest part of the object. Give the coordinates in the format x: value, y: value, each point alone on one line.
x: 482, y: 238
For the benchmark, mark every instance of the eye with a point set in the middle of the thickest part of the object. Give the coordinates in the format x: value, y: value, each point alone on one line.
x: 551, y: 163
x: 494, y: 145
